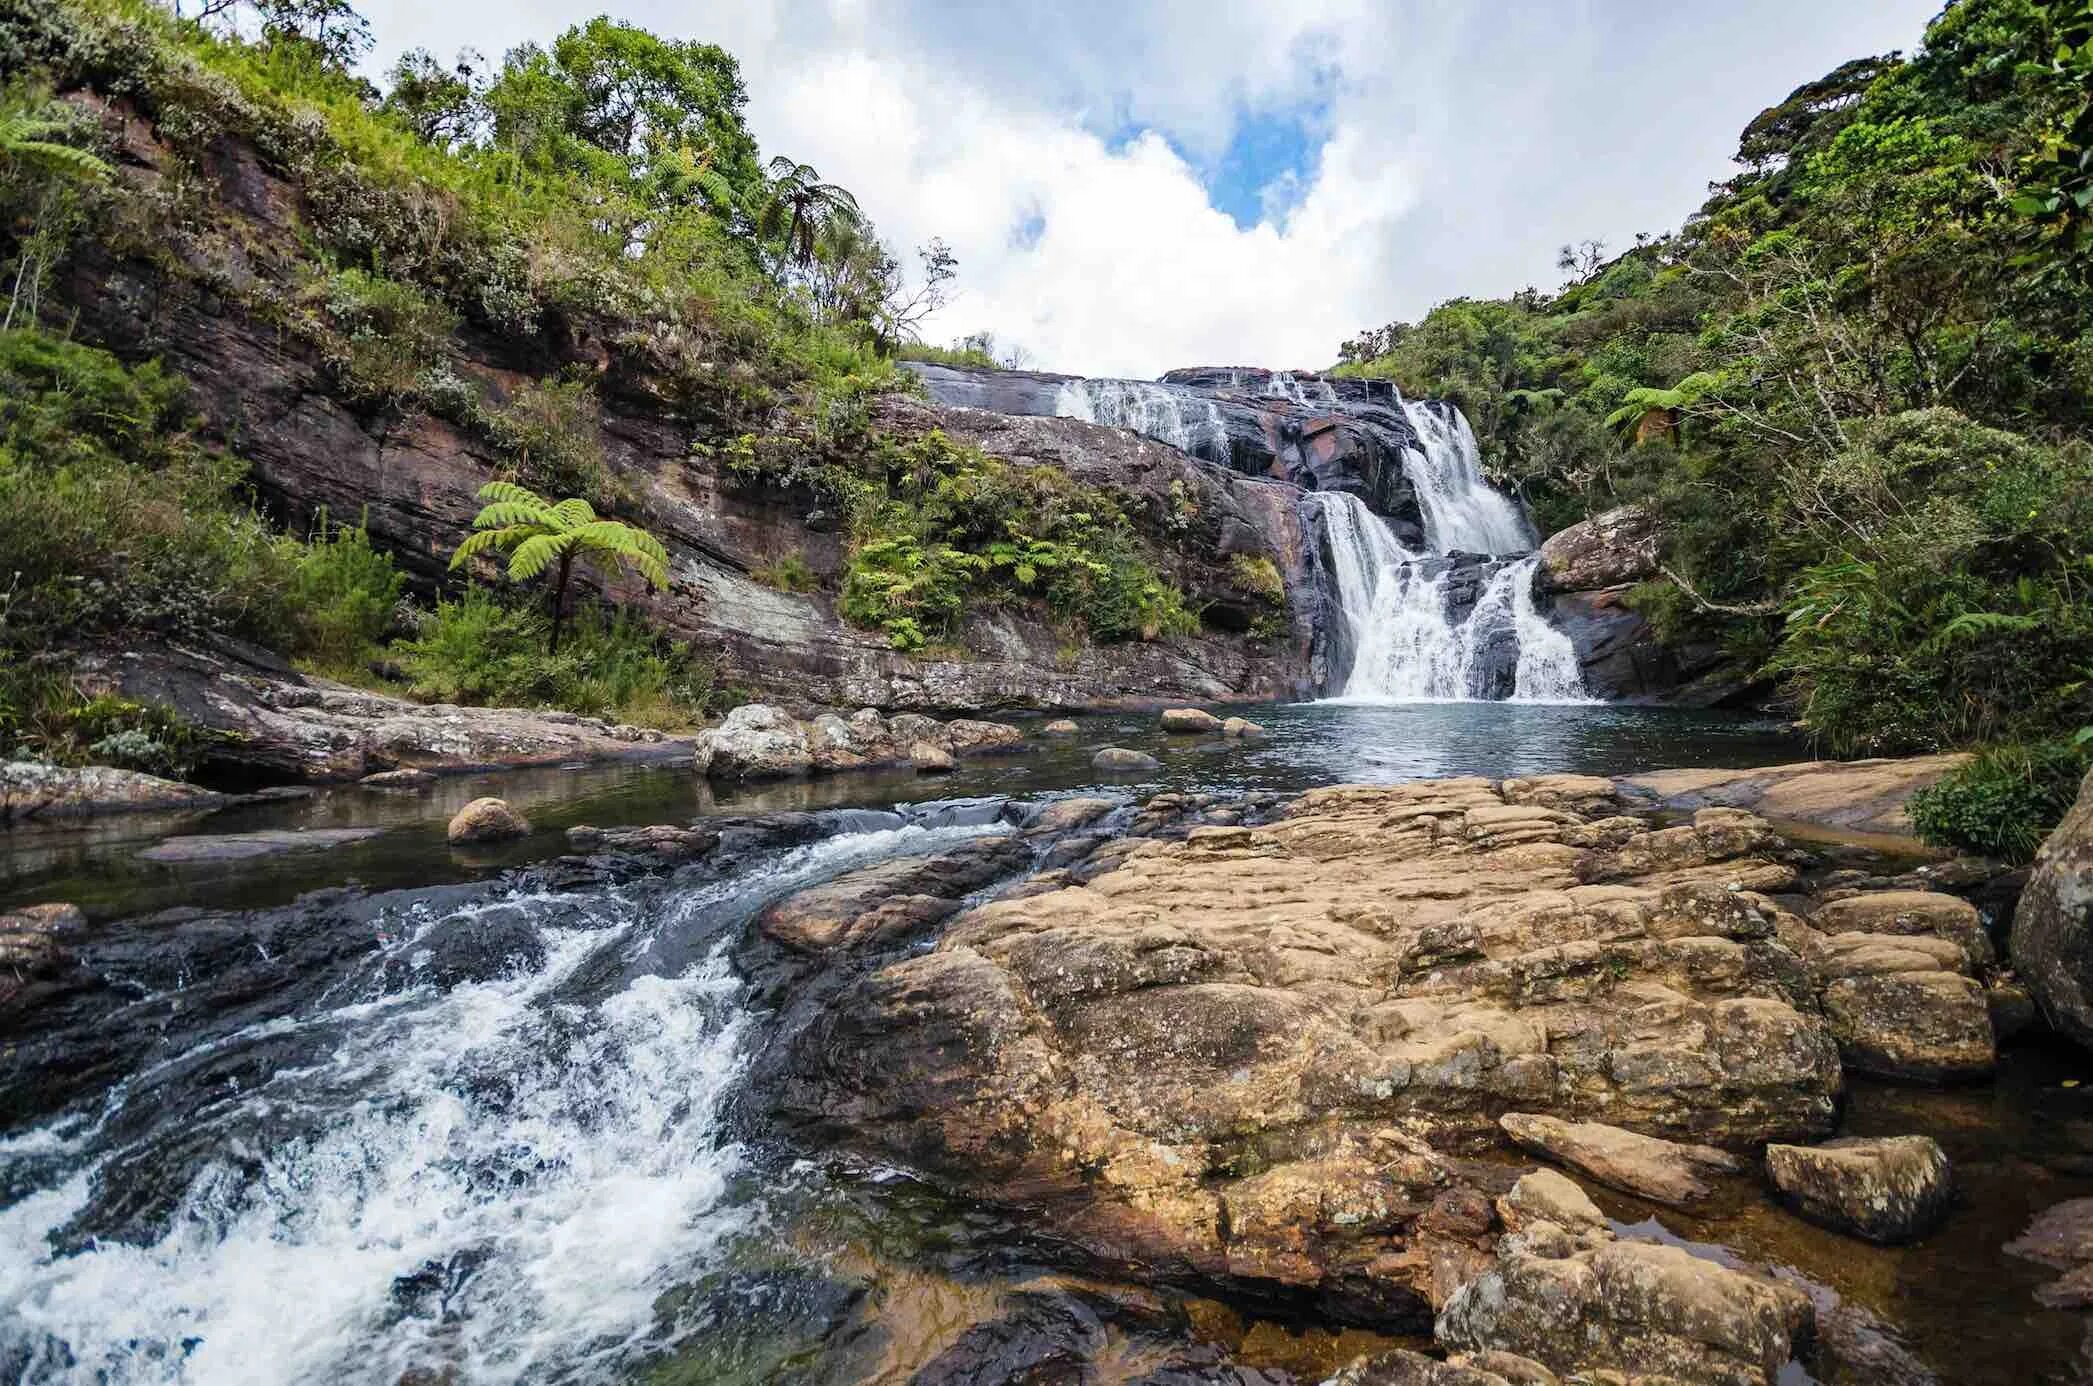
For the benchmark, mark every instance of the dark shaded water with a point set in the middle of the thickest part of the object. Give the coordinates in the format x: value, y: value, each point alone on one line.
x: 353, y: 1140
x: 97, y: 866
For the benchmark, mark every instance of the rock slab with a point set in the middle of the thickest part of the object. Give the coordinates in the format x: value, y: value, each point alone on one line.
x: 1659, y: 1170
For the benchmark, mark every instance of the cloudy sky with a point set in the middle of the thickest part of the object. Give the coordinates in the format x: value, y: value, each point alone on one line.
x: 1133, y: 186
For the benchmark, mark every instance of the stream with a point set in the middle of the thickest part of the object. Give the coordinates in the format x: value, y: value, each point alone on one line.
x: 477, y: 1120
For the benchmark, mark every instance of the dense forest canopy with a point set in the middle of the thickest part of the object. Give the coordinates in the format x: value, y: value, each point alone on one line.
x: 1855, y: 385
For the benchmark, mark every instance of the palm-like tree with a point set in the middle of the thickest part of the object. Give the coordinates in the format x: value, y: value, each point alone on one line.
x: 538, y: 534
x: 801, y: 208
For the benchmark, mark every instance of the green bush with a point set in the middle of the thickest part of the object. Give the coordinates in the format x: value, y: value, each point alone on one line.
x: 787, y: 574
x: 1257, y: 576
x: 478, y: 649
x: 551, y: 430
x: 2004, y: 802
x: 342, y: 594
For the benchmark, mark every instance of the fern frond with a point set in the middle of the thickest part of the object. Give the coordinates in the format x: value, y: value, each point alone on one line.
x: 478, y: 543
x: 1971, y: 625
x: 502, y: 514
x: 509, y: 491
x: 535, y: 554
x: 62, y: 158
x: 574, y: 513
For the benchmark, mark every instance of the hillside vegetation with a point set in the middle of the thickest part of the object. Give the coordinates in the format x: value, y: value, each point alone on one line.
x: 508, y: 248
x: 1855, y: 386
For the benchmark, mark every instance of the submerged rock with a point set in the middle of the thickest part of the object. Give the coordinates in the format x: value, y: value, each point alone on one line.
x: 1118, y: 758
x: 399, y: 779
x: 1060, y: 727
x: 2053, y: 926
x: 487, y: 820
x: 1888, y: 1189
x: 1190, y: 721
x: 210, y: 847
x: 1659, y: 1170
x: 1237, y: 727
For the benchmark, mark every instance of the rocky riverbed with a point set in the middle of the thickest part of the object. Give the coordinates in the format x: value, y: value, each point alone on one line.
x: 1462, y: 1080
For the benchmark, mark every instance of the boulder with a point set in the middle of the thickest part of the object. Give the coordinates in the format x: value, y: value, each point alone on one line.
x: 755, y: 742
x: 2052, y: 941
x: 1190, y: 721
x: 964, y: 737
x: 1659, y: 1170
x: 32, y: 943
x: 1885, y: 1189
x: 1580, y: 1301
x: 2061, y: 1237
x: 487, y: 820
x: 1612, y: 549
x: 931, y: 759
x: 1237, y: 727
x: 31, y: 789
x: 1118, y: 759
x: 1060, y: 727
x: 1932, y: 1027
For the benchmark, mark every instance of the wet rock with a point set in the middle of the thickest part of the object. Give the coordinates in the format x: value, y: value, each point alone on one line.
x: 31, y: 789
x: 32, y: 943
x: 1190, y: 721
x: 1887, y: 1189
x: 399, y: 779
x: 1060, y: 727
x: 1659, y: 1170
x: 754, y: 742
x: 1066, y: 815
x: 475, y: 947
x: 931, y: 760
x: 1594, y: 1304
x: 1405, y: 1368
x: 1612, y: 549
x: 2013, y: 1009
x: 187, y: 851
x: 661, y: 840
x: 2061, y: 1237
x: 1238, y: 727
x: 487, y: 820
x: 2053, y: 927
x: 1120, y: 759
x: 1932, y: 1027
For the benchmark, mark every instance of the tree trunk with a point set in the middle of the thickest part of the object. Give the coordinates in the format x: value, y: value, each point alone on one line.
x: 559, y: 600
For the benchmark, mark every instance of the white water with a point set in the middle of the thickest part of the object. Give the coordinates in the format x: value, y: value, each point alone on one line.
x: 560, y: 1162
x: 1154, y: 411
x: 1462, y: 512
x: 1407, y: 648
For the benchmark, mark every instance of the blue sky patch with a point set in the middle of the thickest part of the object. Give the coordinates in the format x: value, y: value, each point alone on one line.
x: 1268, y: 165
x: 1027, y: 229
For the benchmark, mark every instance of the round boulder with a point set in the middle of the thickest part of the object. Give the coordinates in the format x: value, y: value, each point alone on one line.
x: 931, y: 760
x: 1119, y: 758
x: 2053, y: 927
x: 1889, y: 1189
x: 1190, y: 721
x: 487, y: 820
x: 1062, y: 727
x: 755, y: 742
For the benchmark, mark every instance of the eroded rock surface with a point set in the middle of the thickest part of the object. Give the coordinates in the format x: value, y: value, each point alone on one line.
x: 1659, y: 1170
x: 1862, y: 795
x: 32, y: 790
x: 1252, y: 1055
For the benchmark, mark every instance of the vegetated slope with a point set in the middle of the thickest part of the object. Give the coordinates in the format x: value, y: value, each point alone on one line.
x: 576, y: 275
x: 1855, y: 386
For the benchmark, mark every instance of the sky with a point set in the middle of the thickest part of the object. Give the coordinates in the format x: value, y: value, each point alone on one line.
x: 1135, y: 186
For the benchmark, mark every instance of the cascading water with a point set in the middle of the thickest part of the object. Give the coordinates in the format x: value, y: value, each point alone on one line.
x: 1155, y: 411
x: 1408, y: 644
x: 499, y: 1181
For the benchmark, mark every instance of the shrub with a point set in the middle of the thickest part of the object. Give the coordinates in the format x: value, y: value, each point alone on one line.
x: 390, y: 335
x: 551, y: 430
x: 43, y: 716
x: 787, y: 574
x: 480, y: 650
x: 2004, y: 802
x: 342, y: 594
x: 1257, y: 576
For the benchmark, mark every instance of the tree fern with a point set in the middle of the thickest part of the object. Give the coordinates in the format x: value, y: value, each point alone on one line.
x: 28, y: 140
x: 540, y: 535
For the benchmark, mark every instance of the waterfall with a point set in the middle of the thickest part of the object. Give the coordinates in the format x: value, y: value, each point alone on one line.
x: 1462, y: 512
x: 1154, y: 411
x: 1407, y: 644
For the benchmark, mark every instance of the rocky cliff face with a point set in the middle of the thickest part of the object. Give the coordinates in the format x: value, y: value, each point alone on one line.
x: 413, y: 481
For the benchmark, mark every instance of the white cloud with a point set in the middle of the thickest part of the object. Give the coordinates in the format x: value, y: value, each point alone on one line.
x: 1460, y: 145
